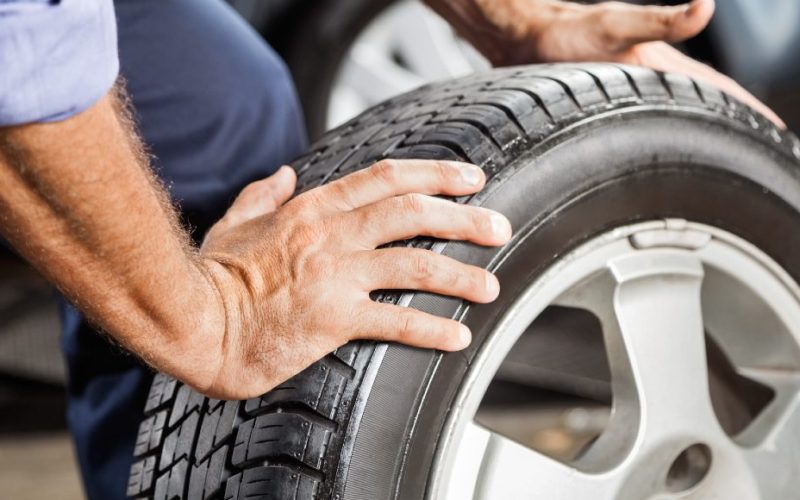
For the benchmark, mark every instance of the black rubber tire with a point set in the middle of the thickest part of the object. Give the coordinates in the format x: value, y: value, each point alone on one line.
x: 570, y: 151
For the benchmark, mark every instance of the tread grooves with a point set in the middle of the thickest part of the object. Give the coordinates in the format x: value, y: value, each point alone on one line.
x: 597, y: 81
x: 664, y: 83
x: 567, y: 90
x: 509, y: 114
x: 632, y: 82
x: 699, y: 92
x: 480, y: 126
x: 300, y: 409
x: 287, y: 462
x: 335, y: 363
x: 452, y: 146
x: 536, y: 98
x: 724, y: 96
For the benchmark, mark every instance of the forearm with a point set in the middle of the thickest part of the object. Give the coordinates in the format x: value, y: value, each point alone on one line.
x: 80, y: 203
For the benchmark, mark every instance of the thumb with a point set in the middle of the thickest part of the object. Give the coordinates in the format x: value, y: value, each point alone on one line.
x: 624, y: 25
x: 280, y: 186
x: 260, y: 198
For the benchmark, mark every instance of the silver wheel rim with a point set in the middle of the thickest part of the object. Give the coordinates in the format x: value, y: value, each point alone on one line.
x: 656, y: 287
x: 404, y: 47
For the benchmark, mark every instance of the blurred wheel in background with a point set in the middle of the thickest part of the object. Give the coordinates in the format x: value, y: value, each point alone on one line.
x: 404, y: 47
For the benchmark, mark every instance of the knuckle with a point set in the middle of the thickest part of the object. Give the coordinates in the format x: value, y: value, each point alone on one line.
x: 408, y: 327
x: 439, y: 330
x: 447, y: 173
x: 466, y: 278
x: 412, y: 203
x: 341, y: 194
x: 386, y: 171
x: 319, y: 264
x: 607, y: 19
x: 477, y: 281
x: 306, y: 201
x: 337, y: 188
x: 666, y: 22
x: 481, y: 221
x: 609, y: 33
x: 471, y: 281
x: 456, y: 281
x: 306, y: 232
x: 361, y: 219
x: 423, y: 268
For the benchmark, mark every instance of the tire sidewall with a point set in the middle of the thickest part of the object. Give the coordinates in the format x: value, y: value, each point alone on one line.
x: 622, y: 167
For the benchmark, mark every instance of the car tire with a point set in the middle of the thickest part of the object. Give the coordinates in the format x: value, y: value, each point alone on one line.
x: 570, y: 151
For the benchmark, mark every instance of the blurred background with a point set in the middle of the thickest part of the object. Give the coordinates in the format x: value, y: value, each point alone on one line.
x: 345, y: 55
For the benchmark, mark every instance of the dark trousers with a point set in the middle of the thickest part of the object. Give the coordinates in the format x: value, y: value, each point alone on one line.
x: 218, y: 110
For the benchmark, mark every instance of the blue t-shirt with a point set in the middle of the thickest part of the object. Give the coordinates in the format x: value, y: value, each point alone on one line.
x: 57, y: 58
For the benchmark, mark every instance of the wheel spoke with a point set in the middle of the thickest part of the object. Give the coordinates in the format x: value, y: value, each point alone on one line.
x: 772, y: 440
x: 428, y: 44
x: 507, y: 469
x: 740, y: 313
x: 650, y: 310
x: 659, y: 317
x: 405, y: 47
x: 374, y: 76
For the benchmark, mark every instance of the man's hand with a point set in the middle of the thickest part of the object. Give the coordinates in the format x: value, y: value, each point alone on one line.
x: 295, y: 283
x: 511, y: 32
x: 272, y: 289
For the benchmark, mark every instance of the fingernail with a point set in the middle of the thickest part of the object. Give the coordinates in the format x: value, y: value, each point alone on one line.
x: 501, y: 228
x: 464, y: 336
x: 471, y: 175
x: 491, y: 284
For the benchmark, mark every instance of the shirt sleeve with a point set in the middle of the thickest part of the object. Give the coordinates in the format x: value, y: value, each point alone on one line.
x: 57, y: 58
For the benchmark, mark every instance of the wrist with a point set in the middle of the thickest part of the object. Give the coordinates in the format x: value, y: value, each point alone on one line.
x: 194, y: 337
x: 209, y: 335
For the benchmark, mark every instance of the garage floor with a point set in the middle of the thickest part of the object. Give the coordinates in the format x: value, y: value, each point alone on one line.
x: 35, y: 467
x: 36, y: 458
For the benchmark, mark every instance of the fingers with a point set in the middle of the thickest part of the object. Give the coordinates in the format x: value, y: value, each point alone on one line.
x: 663, y: 57
x: 679, y: 62
x: 404, y: 217
x: 620, y: 26
x: 392, y: 323
x: 389, y: 178
x: 730, y: 86
x: 417, y: 269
